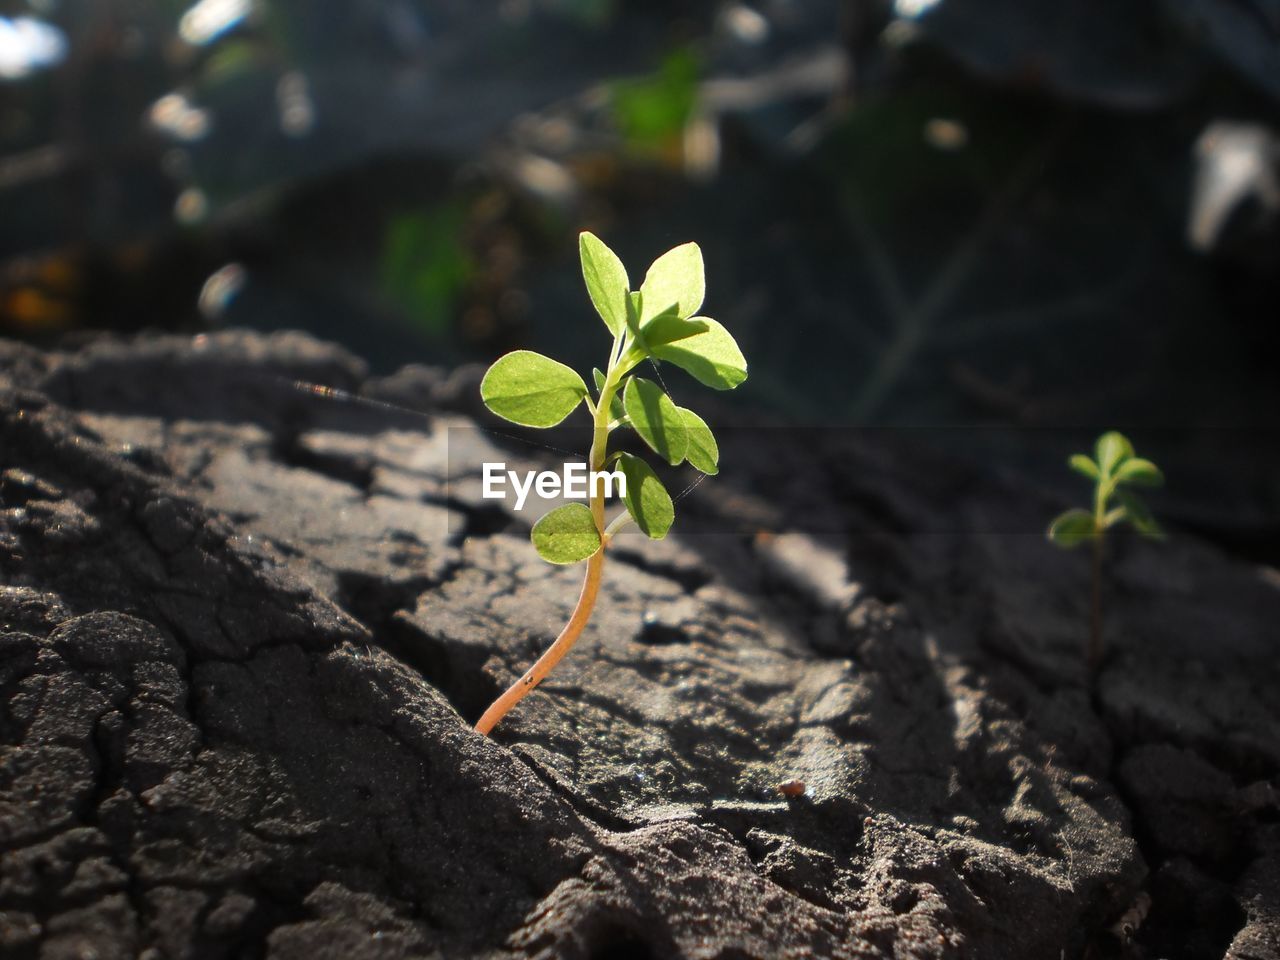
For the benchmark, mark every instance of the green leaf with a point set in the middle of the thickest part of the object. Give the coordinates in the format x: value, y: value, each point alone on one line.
x: 1144, y: 473
x: 635, y: 306
x: 675, y: 279
x: 661, y: 330
x: 711, y: 357
x: 1140, y: 516
x: 670, y: 328
x: 703, y: 452
x: 1111, y: 449
x: 567, y: 534
x: 616, y: 411
x: 606, y: 280
x: 1072, y: 529
x: 530, y: 389
x: 1083, y: 465
x: 656, y: 419
x: 647, y: 499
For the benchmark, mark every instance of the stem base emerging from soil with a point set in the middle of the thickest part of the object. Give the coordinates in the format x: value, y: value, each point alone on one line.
x: 555, y: 653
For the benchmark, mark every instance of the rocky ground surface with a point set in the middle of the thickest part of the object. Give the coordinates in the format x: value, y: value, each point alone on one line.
x: 244, y: 631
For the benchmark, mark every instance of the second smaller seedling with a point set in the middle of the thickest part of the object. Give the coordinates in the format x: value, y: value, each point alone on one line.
x: 1113, y: 470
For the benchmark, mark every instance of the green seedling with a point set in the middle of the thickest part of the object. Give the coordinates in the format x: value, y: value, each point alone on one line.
x: 1114, y: 470
x: 655, y: 323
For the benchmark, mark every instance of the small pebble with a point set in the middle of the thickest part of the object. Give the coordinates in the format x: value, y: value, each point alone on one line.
x: 792, y: 788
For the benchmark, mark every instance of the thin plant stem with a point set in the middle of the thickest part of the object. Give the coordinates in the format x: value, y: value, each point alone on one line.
x: 620, y: 521
x: 1101, y: 494
x: 1095, y: 612
x: 555, y: 653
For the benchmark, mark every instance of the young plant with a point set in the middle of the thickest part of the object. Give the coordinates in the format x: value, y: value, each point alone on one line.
x: 656, y: 323
x: 1113, y: 471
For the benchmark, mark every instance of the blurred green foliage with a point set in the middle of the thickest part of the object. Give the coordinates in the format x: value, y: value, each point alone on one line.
x: 425, y: 264
x: 651, y: 111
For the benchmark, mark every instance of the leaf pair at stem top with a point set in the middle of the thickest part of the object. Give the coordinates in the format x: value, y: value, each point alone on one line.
x: 656, y: 322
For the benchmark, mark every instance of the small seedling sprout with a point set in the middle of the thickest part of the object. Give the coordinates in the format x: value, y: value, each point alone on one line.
x: 1114, y: 469
x: 657, y: 322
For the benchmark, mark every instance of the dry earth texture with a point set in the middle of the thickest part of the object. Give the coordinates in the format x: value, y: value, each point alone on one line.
x: 243, y: 634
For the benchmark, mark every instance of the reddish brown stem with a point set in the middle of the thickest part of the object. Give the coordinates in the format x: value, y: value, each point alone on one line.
x: 555, y: 653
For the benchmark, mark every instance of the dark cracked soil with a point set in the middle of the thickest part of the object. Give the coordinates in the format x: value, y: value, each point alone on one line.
x: 243, y: 635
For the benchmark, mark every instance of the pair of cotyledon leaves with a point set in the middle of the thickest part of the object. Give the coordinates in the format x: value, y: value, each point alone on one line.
x: 657, y: 322
x: 1113, y: 468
